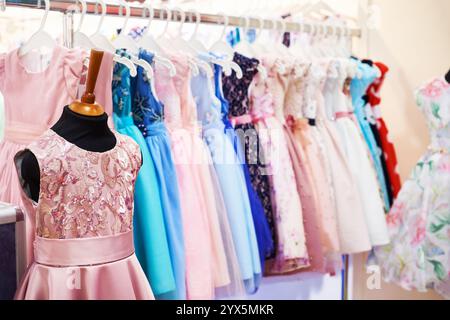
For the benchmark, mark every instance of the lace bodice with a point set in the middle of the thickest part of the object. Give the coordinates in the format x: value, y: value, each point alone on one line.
x: 236, y: 90
x: 84, y: 194
x: 295, y: 93
x: 315, y: 81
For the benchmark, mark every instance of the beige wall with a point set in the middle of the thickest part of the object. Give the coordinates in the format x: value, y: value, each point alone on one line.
x: 414, y: 41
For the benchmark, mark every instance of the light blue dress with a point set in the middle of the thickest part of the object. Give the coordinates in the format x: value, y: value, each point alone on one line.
x: 231, y: 179
x: 263, y: 234
x: 358, y: 88
x: 150, y: 237
x: 148, y: 116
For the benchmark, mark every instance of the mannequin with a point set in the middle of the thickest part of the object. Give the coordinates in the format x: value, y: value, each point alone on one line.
x: 447, y: 76
x: 83, y: 123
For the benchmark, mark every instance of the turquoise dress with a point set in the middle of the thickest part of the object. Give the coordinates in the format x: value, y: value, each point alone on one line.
x: 358, y: 88
x: 231, y: 179
x: 150, y: 237
x: 148, y: 116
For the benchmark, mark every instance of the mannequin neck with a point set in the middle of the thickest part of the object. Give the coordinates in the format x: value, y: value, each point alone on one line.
x: 91, y: 133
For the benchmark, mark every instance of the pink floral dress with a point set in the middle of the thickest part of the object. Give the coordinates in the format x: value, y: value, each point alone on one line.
x: 291, y: 251
x: 419, y: 222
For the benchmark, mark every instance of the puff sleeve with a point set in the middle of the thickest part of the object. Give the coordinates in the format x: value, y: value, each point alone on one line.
x: 73, y: 70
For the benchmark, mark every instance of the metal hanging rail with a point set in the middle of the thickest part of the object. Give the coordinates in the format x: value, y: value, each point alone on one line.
x: 65, y: 6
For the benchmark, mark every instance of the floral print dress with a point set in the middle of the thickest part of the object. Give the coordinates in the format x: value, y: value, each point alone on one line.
x: 419, y: 222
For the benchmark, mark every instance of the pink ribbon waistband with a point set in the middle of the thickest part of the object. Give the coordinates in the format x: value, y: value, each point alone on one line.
x: 244, y: 119
x: 22, y: 133
x: 83, y: 251
x: 344, y: 114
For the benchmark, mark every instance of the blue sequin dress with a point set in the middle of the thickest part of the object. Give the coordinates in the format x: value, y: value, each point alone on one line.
x: 231, y: 179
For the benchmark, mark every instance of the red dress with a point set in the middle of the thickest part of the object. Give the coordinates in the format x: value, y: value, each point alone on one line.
x: 373, y: 93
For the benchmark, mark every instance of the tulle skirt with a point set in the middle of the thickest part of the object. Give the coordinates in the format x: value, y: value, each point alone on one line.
x: 310, y: 205
x: 319, y: 169
x: 198, y: 240
x: 158, y: 143
x: 150, y: 238
x: 232, y: 184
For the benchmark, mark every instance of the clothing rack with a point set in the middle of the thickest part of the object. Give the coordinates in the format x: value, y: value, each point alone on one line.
x: 67, y: 6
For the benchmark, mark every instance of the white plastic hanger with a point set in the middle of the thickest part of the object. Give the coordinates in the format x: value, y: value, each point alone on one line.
x: 40, y: 38
x: 101, y: 42
x: 258, y: 46
x: 180, y: 44
x: 184, y: 46
x: 80, y: 39
x: 98, y: 39
x: 147, y: 41
x: 319, y: 7
x: 194, y: 42
x: 124, y: 41
x: 150, y: 44
x: 322, y: 9
x: 243, y: 47
x: 296, y: 46
x: 223, y: 48
x: 257, y: 49
x: 279, y: 46
x: 164, y: 39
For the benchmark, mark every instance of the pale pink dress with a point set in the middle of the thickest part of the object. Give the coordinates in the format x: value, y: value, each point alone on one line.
x: 352, y: 229
x: 291, y: 252
x: 34, y: 102
x: 83, y: 223
x: 312, y: 176
x: 202, y: 165
x: 205, y: 259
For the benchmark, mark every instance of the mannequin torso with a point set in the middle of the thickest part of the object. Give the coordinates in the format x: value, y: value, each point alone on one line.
x: 87, y: 132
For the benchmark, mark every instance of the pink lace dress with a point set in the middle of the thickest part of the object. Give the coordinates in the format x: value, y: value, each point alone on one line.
x: 82, y: 222
x: 312, y: 175
x: 266, y: 98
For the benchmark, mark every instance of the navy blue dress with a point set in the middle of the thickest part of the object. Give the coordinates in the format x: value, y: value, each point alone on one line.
x: 263, y: 233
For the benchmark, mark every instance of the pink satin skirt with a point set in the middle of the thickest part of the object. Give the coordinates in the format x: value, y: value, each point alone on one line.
x: 101, y: 268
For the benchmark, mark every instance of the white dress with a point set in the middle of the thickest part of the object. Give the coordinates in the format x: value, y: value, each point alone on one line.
x: 357, y: 155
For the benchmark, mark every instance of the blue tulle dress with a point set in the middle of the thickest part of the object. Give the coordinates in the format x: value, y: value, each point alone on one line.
x: 150, y: 237
x: 263, y: 234
x: 231, y: 179
x: 148, y: 116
